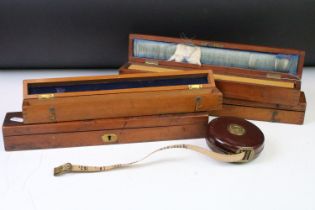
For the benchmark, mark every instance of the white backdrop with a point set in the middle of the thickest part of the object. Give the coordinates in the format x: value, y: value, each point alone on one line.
x: 283, y: 177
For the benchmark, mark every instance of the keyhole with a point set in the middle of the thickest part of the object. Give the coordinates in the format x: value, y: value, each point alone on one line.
x: 109, y: 138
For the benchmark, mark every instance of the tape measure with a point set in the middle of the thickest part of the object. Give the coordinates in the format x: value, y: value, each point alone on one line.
x: 230, y: 139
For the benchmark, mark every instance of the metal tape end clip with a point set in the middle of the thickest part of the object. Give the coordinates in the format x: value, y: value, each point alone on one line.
x: 60, y: 170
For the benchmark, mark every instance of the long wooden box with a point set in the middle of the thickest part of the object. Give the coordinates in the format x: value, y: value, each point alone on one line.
x: 21, y: 136
x: 264, y: 112
x: 244, y: 72
x: 81, y: 98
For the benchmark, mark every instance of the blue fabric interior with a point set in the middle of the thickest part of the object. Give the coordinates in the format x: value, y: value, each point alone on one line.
x: 251, y: 60
x: 105, y: 85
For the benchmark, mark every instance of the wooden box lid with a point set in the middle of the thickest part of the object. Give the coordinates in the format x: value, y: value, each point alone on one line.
x: 13, y: 123
x: 20, y: 136
x: 221, y: 57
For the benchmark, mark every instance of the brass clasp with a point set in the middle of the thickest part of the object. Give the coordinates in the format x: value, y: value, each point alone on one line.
x: 194, y: 86
x: 198, y: 102
x: 152, y: 62
x: 273, y: 76
x: 46, y: 96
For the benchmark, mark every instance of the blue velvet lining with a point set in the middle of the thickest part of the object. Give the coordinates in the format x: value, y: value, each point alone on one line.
x: 105, y: 85
x: 221, y: 57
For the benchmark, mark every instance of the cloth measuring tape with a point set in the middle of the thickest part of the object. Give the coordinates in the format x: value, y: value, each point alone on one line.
x: 231, y: 139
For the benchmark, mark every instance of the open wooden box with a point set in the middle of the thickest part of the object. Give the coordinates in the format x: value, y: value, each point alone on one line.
x: 242, y: 72
x: 99, y: 97
x: 20, y: 136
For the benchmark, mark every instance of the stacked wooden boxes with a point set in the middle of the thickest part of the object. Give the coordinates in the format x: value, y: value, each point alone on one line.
x: 82, y: 111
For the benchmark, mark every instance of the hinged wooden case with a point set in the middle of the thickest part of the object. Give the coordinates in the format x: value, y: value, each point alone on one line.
x: 20, y: 136
x: 245, y: 72
x: 98, y: 97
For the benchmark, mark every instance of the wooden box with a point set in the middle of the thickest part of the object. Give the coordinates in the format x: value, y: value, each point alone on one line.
x: 243, y: 72
x: 21, y: 136
x: 263, y: 111
x: 98, y: 97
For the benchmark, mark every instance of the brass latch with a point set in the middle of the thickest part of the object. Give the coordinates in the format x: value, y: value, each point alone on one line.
x: 152, y: 62
x: 109, y: 138
x: 196, y: 86
x: 273, y: 76
x: 198, y: 102
x: 46, y: 96
x: 52, y: 114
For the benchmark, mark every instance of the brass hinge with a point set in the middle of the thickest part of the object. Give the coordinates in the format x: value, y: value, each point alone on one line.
x: 152, y: 62
x: 52, y: 114
x: 216, y: 45
x: 273, y: 76
x: 46, y: 96
x: 196, y: 86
